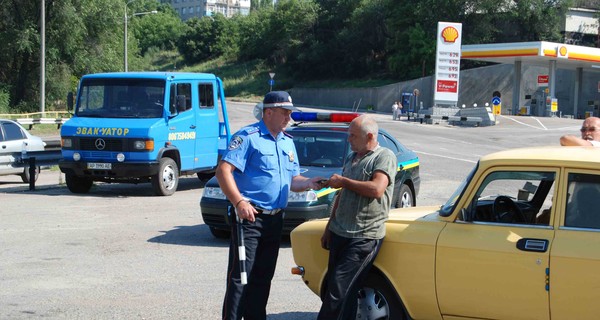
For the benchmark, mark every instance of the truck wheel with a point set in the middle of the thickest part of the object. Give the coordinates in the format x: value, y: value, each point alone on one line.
x: 376, y: 300
x: 78, y: 184
x: 25, y: 176
x: 166, y: 180
x: 405, y: 197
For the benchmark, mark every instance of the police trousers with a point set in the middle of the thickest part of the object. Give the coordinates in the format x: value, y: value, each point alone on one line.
x: 349, y: 263
x: 262, y: 239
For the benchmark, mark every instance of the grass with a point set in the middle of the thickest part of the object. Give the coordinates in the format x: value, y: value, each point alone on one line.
x: 44, y: 130
x: 249, y: 81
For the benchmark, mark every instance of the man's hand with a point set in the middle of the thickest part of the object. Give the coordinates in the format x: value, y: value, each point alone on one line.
x: 246, y: 211
x: 335, y: 181
x: 316, y: 183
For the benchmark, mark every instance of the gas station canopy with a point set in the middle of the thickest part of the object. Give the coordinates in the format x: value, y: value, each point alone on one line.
x: 541, y: 53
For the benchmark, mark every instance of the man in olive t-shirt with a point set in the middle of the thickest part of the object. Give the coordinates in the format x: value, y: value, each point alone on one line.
x: 356, y: 228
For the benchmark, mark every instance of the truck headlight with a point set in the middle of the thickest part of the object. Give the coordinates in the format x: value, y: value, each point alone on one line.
x: 147, y: 145
x: 304, y: 196
x: 67, y: 143
x: 215, y: 193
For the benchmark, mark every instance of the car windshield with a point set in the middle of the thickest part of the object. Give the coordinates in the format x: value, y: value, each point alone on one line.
x: 121, y: 98
x: 320, y: 149
x: 448, y: 207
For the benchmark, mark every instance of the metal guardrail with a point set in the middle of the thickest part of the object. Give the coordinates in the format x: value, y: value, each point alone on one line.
x: 31, y: 121
x: 33, y: 159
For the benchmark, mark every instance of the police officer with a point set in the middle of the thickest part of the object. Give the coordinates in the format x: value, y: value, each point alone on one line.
x: 256, y: 174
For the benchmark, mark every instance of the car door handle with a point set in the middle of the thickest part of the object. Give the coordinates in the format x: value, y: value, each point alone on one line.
x: 536, y: 245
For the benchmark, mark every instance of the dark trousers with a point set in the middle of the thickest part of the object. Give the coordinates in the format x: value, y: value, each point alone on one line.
x: 262, y: 239
x: 349, y: 263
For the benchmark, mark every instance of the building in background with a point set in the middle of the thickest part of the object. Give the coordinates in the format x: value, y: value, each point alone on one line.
x: 199, y: 8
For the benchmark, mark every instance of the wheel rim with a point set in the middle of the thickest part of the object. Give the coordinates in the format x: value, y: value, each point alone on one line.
x: 406, y: 200
x: 372, y: 305
x: 168, y: 177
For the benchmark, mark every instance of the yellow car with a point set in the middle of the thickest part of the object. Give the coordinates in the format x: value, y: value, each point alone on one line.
x: 518, y: 239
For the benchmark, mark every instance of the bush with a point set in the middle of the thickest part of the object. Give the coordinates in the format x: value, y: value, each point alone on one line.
x: 4, y: 101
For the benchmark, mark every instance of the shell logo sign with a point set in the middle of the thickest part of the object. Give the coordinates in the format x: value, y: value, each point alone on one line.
x: 447, y: 64
x: 563, y: 51
x: 450, y: 34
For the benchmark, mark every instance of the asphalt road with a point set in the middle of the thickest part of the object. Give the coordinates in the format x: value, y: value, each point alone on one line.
x: 121, y: 253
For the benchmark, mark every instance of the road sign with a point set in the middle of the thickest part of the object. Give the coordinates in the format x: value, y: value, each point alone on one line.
x: 271, y: 82
x: 496, y: 101
x: 272, y: 75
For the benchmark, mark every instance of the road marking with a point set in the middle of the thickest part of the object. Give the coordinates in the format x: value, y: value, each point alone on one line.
x: 442, y: 156
x: 525, y: 124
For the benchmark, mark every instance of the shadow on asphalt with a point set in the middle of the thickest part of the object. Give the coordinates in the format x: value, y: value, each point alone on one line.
x: 198, y: 235
x: 101, y: 190
x: 293, y: 316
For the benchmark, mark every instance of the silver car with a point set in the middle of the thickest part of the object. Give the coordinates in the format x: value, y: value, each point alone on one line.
x: 14, y: 138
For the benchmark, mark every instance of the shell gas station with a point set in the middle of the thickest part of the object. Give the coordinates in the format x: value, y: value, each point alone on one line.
x: 553, y: 56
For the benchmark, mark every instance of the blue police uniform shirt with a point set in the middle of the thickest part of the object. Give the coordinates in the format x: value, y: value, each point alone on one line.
x: 264, y: 166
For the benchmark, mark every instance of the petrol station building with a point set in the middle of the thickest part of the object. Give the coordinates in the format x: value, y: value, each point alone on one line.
x: 583, y: 76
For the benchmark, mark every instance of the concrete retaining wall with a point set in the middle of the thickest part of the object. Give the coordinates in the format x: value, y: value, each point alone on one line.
x: 476, y: 86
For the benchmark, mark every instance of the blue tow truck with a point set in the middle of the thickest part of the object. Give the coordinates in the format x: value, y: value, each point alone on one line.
x: 137, y: 127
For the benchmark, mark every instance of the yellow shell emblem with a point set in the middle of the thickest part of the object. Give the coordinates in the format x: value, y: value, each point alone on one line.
x: 450, y: 34
x: 563, y: 51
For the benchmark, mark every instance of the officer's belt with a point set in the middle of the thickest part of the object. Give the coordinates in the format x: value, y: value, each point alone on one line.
x: 268, y: 212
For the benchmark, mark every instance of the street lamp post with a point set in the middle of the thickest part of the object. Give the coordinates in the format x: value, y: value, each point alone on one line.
x: 126, y: 17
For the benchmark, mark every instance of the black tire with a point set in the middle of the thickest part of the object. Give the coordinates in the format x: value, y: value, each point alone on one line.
x: 220, y: 233
x: 78, y: 184
x: 205, y: 176
x: 378, y: 300
x: 25, y: 175
x: 405, y: 197
x: 165, y: 182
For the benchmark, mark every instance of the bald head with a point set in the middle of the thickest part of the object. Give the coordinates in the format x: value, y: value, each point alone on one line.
x: 590, y: 130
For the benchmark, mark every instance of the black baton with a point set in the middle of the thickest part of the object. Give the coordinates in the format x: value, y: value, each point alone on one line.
x: 241, y: 249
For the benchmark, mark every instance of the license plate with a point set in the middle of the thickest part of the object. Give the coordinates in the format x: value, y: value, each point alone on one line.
x: 98, y: 165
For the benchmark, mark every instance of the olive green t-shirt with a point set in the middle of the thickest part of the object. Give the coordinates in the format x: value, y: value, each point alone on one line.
x: 363, y: 217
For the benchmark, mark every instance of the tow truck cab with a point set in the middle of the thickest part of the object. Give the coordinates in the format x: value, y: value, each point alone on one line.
x: 144, y: 127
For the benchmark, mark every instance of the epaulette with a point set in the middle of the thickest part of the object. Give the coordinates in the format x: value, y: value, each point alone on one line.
x: 251, y: 130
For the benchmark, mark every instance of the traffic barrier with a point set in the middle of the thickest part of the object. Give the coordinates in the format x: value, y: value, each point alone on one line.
x: 31, y: 121
x: 476, y: 120
x: 33, y: 159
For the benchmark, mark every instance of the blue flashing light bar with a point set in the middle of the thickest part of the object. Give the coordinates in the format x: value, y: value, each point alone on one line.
x: 323, y: 116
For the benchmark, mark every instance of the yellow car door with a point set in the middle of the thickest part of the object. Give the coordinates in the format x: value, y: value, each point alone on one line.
x: 492, y: 261
x: 575, y: 257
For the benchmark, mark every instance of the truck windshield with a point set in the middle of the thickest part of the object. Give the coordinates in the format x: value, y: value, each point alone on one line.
x: 121, y: 98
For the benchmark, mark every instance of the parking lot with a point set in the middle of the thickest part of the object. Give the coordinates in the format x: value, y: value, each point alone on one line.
x: 121, y: 253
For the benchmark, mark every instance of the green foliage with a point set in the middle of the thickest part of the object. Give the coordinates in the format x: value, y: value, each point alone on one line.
x: 300, y: 40
x: 4, y: 100
x: 161, y: 30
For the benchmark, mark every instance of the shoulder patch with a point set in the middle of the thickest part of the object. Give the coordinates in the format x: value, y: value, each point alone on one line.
x: 235, y: 142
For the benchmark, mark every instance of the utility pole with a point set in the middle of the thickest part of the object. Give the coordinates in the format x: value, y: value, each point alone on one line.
x: 43, y: 58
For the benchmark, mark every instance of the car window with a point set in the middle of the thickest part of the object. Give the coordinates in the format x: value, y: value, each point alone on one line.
x: 320, y: 149
x: 12, y: 131
x: 583, y: 201
x: 386, y: 141
x: 522, y: 197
